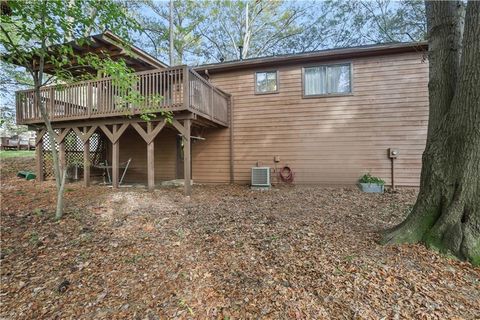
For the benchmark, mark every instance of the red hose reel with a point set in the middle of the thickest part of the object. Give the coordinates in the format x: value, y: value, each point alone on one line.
x: 286, y: 174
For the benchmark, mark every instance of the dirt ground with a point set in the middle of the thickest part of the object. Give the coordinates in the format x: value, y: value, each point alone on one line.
x: 302, y: 252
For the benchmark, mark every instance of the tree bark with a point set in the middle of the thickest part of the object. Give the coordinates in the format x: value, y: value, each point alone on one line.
x: 446, y: 215
x: 38, y: 82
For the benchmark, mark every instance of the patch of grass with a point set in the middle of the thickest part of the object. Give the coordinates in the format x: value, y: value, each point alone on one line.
x: 349, y: 258
x: 274, y: 238
x: 185, y: 305
x: 84, y: 255
x: 77, y: 214
x: 338, y: 272
x: 86, y: 237
x: 180, y: 233
x: 16, y: 154
x: 34, y: 238
x: 38, y: 212
x: 134, y: 259
x: 7, y: 251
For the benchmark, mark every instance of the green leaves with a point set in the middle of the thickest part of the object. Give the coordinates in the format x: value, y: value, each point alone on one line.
x: 37, y: 30
x: 368, y: 178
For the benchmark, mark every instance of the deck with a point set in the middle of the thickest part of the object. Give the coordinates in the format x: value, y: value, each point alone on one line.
x: 176, y: 89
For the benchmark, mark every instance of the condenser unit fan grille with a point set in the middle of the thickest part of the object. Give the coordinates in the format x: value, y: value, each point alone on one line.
x: 260, y: 177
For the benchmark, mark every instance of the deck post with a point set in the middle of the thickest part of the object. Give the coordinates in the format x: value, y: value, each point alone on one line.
x: 86, y: 160
x: 187, y: 158
x: 186, y: 88
x: 115, y: 158
x: 89, y: 99
x: 150, y: 159
x: 39, y: 159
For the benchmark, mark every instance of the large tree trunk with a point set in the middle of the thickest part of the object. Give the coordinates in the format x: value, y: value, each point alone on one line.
x: 446, y: 215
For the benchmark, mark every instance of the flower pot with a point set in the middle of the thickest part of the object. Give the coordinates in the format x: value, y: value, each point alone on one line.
x: 372, y: 187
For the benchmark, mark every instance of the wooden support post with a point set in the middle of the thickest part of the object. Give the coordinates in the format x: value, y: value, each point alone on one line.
x: 151, y: 165
x: 115, y: 158
x: 150, y: 159
x: 86, y: 160
x: 187, y: 158
x: 39, y: 159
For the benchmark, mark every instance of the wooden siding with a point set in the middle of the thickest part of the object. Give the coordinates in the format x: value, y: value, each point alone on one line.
x: 327, y: 140
x: 211, y: 157
x: 133, y: 146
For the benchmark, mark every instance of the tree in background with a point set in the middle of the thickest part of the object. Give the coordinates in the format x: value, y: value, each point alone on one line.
x: 153, y: 17
x: 446, y: 215
x: 212, y: 31
x: 12, y: 78
x: 38, y: 25
x: 259, y: 27
x: 386, y: 21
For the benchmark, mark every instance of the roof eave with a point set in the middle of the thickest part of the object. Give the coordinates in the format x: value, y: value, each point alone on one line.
x: 334, y: 54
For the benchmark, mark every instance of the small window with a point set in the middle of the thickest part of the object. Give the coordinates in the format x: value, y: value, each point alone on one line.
x: 328, y: 79
x: 266, y: 82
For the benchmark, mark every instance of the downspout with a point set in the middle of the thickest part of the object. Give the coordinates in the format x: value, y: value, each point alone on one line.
x: 232, y: 154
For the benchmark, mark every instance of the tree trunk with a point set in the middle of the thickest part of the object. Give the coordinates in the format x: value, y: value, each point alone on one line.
x: 59, y: 177
x: 446, y: 215
x: 38, y: 81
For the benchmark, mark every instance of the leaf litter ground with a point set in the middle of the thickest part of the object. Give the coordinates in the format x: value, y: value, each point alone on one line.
x: 303, y: 252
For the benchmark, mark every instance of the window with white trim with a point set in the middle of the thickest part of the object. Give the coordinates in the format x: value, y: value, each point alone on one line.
x: 327, y: 79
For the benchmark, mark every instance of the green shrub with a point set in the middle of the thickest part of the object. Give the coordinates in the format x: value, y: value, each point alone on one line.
x: 368, y: 178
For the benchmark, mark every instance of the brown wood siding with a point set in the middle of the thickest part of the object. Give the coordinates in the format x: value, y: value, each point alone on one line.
x: 211, y: 157
x: 134, y: 147
x: 327, y: 140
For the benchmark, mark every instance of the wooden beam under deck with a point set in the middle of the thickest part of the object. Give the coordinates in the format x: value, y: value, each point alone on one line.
x: 186, y: 158
x: 86, y: 158
x: 114, y: 129
x: 115, y: 158
x: 151, y: 158
x: 111, y: 121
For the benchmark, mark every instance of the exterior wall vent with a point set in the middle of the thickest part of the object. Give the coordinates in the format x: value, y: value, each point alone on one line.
x: 260, y: 177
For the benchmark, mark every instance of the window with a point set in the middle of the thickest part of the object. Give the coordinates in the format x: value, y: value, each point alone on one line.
x: 266, y: 82
x: 328, y: 79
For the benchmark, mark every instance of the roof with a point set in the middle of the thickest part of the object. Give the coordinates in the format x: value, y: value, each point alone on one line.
x: 315, y: 56
x: 110, y: 45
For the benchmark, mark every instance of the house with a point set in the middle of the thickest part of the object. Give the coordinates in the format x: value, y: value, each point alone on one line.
x: 329, y: 115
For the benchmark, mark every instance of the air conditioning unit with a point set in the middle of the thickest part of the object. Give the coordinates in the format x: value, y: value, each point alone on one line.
x: 261, y: 177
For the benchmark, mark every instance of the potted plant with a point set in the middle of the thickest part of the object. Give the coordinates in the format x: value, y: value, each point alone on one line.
x: 369, y: 183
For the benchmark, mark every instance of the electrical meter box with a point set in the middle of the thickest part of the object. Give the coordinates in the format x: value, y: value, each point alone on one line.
x: 393, y: 153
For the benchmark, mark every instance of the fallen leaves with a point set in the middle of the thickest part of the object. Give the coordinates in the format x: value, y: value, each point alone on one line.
x: 227, y: 253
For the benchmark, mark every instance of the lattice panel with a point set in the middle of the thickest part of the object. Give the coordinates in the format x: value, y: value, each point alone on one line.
x: 47, y: 157
x: 74, y: 152
x: 98, y: 148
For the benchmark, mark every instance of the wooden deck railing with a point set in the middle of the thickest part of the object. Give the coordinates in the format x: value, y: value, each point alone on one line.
x: 172, y: 89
